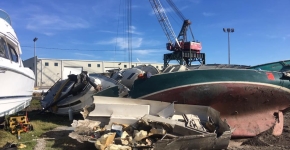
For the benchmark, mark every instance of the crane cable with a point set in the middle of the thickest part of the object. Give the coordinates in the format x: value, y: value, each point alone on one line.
x: 178, y: 12
x: 181, y: 16
x: 129, y: 32
x: 116, y: 42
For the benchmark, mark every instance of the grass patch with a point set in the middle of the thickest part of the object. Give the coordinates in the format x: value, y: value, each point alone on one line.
x: 42, y: 123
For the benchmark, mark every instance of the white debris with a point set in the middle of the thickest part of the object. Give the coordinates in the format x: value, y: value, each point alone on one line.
x: 157, y: 131
x: 167, y: 112
x: 104, y: 141
x: 118, y: 147
x: 85, y: 123
x: 139, y: 135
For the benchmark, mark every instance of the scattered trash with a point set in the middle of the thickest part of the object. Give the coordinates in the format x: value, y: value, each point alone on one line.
x: 20, y: 146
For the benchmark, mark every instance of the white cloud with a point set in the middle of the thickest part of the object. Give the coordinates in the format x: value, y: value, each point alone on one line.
x: 48, y: 33
x: 133, y: 30
x: 208, y: 14
x: 49, y: 24
x: 82, y: 54
x: 106, y: 31
x: 145, y: 52
x: 122, y: 43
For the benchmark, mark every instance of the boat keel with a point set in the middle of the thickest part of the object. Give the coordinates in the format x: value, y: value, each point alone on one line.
x: 278, y: 127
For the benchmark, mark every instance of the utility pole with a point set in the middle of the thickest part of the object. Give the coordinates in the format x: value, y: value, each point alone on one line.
x: 35, y: 63
x: 229, y: 30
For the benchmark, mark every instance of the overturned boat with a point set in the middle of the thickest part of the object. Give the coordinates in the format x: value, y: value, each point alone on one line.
x: 246, y: 98
x: 251, y: 100
x: 128, y: 76
x: 60, y: 99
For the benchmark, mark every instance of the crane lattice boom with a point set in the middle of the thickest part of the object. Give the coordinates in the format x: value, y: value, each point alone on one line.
x: 164, y: 22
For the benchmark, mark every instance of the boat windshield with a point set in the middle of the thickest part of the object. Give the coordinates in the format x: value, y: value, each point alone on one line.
x: 5, y: 16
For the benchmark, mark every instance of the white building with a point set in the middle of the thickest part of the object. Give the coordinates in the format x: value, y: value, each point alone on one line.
x: 51, y: 70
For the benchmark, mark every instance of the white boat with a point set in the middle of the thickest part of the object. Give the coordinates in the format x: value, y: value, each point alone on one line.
x: 17, y: 82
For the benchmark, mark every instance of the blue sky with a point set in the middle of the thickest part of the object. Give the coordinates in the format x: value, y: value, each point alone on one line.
x: 96, y: 29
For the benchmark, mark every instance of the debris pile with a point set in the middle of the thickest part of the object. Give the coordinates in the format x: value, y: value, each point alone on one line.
x: 155, y: 132
x: 124, y: 124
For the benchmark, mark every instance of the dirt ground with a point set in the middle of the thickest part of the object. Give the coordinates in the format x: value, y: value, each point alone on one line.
x: 265, y: 141
x: 61, y: 139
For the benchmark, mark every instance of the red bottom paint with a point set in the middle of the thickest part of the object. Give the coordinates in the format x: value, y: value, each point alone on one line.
x: 247, y: 107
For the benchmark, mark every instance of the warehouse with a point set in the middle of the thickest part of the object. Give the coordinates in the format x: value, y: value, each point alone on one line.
x: 51, y: 70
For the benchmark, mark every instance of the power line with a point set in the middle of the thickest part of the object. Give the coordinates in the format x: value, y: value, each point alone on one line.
x: 69, y: 49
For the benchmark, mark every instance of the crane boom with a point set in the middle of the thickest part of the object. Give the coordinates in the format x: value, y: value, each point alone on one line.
x: 164, y: 22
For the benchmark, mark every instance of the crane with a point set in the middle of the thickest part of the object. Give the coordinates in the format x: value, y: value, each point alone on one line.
x: 180, y: 42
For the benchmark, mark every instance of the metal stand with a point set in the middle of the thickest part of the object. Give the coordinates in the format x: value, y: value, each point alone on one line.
x: 184, y: 58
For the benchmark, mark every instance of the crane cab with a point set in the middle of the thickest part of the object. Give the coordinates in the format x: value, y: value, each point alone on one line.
x: 193, y: 46
x: 185, y: 46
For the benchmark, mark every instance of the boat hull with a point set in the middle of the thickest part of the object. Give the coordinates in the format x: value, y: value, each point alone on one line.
x: 17, y: 88
x: 247, y: 99
x: 17, y: 82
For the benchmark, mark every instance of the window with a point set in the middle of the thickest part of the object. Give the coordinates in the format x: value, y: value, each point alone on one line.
x: 157, y: 67
x: 125, y: 66
x: 55, y: 64
x: 13, y: 54
x: 162, y: 67
x: 132, y: 66
x: 98, y: 65
x: 89, y: 65
x: 46, y: 64
x: 131, y: 76
x: 3, y: 49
